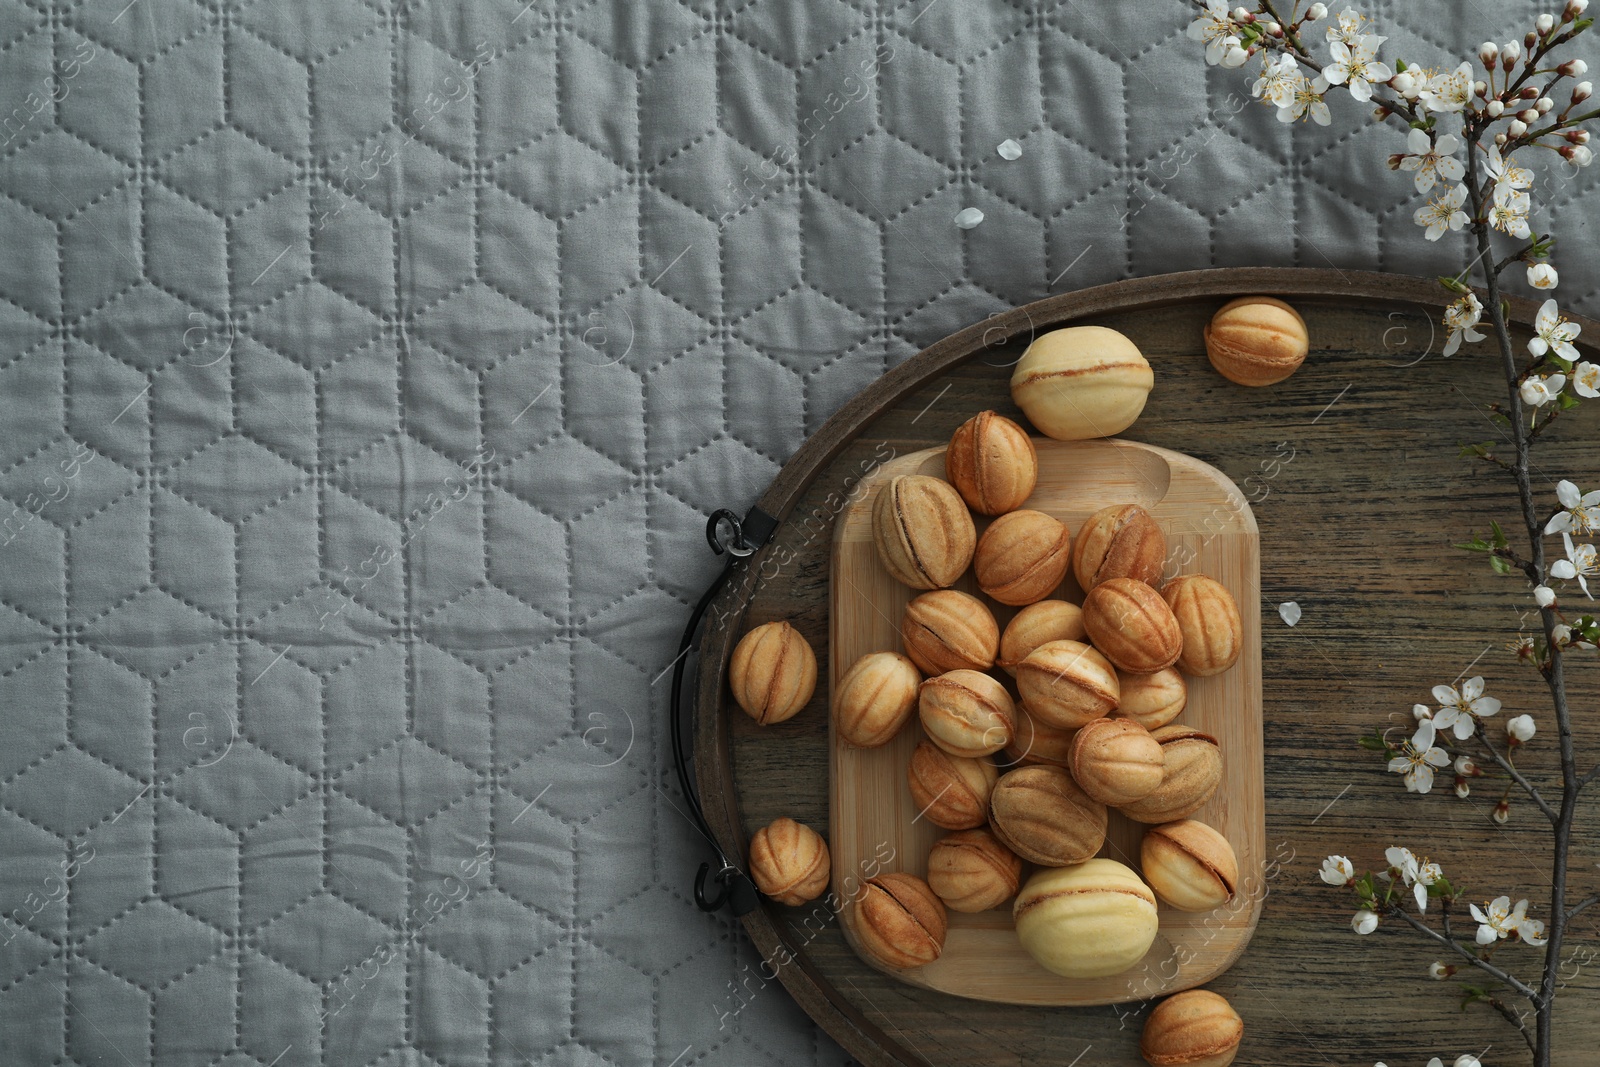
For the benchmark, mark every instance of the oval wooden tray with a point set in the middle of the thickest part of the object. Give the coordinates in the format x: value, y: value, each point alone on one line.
x: 1209, y: 528
x: 1359, y: 453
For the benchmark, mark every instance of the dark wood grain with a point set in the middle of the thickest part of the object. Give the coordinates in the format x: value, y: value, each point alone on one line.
x: 1356, y: 527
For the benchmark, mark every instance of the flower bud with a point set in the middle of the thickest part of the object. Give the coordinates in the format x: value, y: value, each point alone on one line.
x: 1520, y: 729
x: 1502, y: 812
x: 1544, y: 105
x: 1440, y: 970
x: 1573, y: 68
x: 1241, y: 15
x: 1274, y: 29
x: 1395, y: 160
x: 1481, y: 88
x: 1316, y: 11
x: 1530, y: 40
x: 1235, y: 56
x: 1544, y: 23
x: 1543, y: 595
x: 1579, y: 154
x: 1528, y: 92
x: 1495, y: 108
x: 1463, y: 790
x: 1421, y: 712
x: 1582, y: 91
x: 1509, y: 54
x: 1573, y: 9
x: 1517, y: 128
x: 1561, y: 634
x: 1488, y: 52
x: 1578, y: 136
x: 1529, y: 115
x: 1500, y: 139
x: 1364, y: 922
x: 1466, y: 768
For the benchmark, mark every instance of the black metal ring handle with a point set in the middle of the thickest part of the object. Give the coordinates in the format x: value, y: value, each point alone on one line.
x: 737, y: 538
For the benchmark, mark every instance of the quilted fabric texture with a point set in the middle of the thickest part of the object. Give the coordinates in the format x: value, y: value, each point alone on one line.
x: 366, y: 371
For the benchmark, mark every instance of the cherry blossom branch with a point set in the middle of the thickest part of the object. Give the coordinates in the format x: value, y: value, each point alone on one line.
x: 1473, y: 958
x: 1517, y: 776
x: 1552, y: 669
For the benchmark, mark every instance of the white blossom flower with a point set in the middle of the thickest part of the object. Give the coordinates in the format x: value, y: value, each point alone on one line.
x: 1505, y: 170
x: 1509, y: 212
x: 1461, y: 319
x: 1553, y: 333
x: 1542, y: 389
x: 1442, y: 213
x: 1493, y: 919
x: 1278, y: 81
x: 1542, y: 276
x: 1418, y: 757
x: 1357, y: 66
x: 1582, y: 563
x: 1544, y: 596
x: 1498, y: 919
x: 1431, y: 160
x: 1522, y: 727
x: 1305, y: 101
x: 1347, y: 26
x: 1586, y: 379
x: 1214, y: 27
x: 1418, y: 874
x: 1364, y: 922
x: 1316, y: 11
x: 1463, y: 708
x: 1338, y: 870
x: 1234, y: 54
x: 1448, y: 91
x: 1581, y: 512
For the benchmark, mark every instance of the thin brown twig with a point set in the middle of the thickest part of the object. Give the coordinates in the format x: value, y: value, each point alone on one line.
x: 1517, y: 776
x: 1473, y: 958
x: 1511, y: 1017
x: 1582, y: 905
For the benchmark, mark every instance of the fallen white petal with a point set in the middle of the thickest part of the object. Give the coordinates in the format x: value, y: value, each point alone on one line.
x: 1009, y: 149
x: 968, y: 217
x: 1289, y: 611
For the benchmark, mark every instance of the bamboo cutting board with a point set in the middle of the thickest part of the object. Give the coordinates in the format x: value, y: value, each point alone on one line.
x: 875, y: 825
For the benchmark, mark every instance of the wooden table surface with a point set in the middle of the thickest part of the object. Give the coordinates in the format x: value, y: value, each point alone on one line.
x: 1353, y: 464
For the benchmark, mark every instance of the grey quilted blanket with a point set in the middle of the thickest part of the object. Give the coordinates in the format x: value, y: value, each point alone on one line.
x: 367, y: 370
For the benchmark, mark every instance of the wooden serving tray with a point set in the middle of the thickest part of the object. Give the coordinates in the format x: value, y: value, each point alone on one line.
x: 1208, y: 523
x: 1353, y: 474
